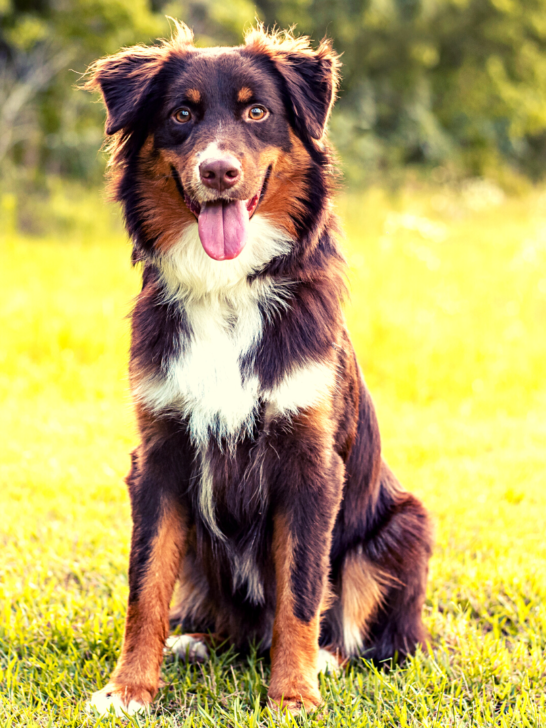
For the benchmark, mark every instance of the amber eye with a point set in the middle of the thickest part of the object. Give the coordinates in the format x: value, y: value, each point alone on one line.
x: 257, y: 113
x: 182, y: 115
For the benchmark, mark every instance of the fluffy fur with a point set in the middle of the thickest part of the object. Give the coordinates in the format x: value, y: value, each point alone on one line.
x: 258, y: 485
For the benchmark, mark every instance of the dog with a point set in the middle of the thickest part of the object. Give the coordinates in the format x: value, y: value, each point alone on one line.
x: 258, y: 487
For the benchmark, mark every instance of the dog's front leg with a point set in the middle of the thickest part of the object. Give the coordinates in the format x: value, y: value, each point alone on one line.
x: 308, y: 491
x: 156, y: 550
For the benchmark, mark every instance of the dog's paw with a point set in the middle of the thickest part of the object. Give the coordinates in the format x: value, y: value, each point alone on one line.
x: 295, y: 704
x: 187, y: 648
x: 328, y: 663
x: 119, y: 700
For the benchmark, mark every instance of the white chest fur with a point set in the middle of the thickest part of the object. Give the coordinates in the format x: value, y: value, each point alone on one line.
x: 207, y: 385
x: 205, y: 382
x: 225, y: 313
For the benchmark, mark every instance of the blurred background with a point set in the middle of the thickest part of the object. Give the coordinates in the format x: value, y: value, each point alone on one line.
x: 453, y: 87
x: 441, y: 131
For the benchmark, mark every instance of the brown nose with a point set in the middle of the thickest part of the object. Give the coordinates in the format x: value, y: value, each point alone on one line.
x: 220, y: 174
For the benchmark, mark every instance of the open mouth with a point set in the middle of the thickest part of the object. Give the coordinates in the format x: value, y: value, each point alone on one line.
x: 223, y: 223
x: 250, y: 205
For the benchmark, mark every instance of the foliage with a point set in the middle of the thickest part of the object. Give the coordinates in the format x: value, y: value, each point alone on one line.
x: 447, y: 315
x: 56, y: 128
x: 459, y: 84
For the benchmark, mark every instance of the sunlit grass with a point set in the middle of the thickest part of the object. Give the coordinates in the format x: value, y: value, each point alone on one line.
x: 447, y: 311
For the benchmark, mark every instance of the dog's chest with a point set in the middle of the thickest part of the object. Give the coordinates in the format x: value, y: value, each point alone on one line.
x: 208, y: 377
x: 206, y: 382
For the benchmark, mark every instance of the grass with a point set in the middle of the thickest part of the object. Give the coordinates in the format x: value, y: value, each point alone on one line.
x: 447, y: 313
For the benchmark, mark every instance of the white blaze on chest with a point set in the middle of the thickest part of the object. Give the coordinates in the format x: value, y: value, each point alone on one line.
x: 209, y: 378
x: 304, y: 387
x: 223, y: 311
x: 205, y: 383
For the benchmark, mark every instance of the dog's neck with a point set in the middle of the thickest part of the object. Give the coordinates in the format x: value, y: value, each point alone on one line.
x: 189, y: 274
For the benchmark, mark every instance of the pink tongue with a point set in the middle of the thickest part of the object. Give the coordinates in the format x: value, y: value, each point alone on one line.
x: 223, y: 228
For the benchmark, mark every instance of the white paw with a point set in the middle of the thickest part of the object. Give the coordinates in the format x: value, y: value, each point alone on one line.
x: 106, y: 701
x: 187, y: 648
x: 328, y: 662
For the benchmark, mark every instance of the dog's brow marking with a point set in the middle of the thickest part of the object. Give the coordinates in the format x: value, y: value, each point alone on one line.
x: 245, y: 94
x: 193, y: 95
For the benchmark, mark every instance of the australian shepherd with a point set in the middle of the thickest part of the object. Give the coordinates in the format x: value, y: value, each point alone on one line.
x: 258, y: 488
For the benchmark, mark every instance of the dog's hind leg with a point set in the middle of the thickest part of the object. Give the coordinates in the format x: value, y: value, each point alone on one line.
x: 383, y: 578
x: 188, y: 647
x: 193, y: 611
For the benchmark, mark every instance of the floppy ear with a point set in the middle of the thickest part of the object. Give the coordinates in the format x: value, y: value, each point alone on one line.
x: 126, y: 79
x: 311, y: 76
x: 312, y: 84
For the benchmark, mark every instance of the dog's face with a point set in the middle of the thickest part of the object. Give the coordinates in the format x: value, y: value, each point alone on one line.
x: 222, y: 127
x: 220, y: 133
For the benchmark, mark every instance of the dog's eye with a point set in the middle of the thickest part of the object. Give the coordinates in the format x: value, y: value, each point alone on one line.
x: 257, y: 113
x: 182, y: 115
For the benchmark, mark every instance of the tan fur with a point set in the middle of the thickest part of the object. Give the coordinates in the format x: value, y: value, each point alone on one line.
x: 244, y: 95
x: 136, y: 676
x: 193, y: 95
x: 316, y: 423
x: 294, y: 649
x: 165, y: 212
x: 363, y: 591
x: 286, y: 186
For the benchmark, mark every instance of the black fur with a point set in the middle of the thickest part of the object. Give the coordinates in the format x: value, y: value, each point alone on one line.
x: 305, y: 491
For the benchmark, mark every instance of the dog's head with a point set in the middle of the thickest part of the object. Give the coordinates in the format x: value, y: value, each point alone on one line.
x: 217, y: 134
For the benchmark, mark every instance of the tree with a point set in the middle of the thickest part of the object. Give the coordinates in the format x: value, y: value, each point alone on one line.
x: 426, y: 82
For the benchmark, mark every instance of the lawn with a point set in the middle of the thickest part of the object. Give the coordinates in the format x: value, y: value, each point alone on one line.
x: 448, y: 313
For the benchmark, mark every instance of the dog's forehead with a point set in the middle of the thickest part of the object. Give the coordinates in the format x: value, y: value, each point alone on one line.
x: 220, y: 75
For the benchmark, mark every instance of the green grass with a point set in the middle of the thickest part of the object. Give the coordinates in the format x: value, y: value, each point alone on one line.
x: 447, y: 313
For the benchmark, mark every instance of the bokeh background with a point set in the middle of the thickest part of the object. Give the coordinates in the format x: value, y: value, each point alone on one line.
x: 441, y: 130
x: 458, y: 86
